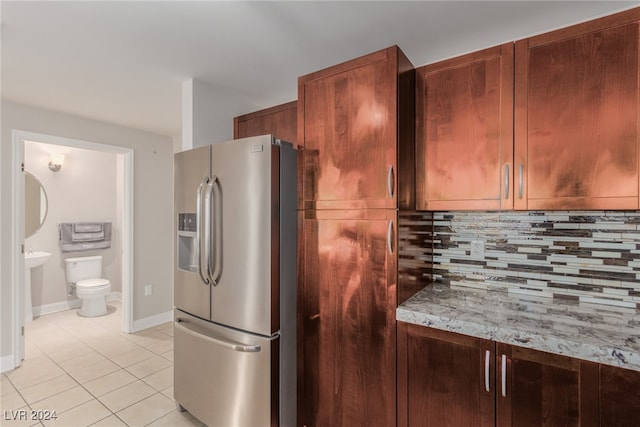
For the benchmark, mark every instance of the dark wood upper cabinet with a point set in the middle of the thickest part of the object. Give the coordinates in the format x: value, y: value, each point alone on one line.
x: 576, y: 118
x: 464, y: 132
x: 536, y: 388
x: 279, y: 121
x: 444, y: 379
x: 348, y: 318
x: 355, y: 121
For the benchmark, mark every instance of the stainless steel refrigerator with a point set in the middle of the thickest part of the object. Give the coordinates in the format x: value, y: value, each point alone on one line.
x: 235, y: 282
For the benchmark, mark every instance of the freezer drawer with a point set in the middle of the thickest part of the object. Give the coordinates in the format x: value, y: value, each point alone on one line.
x: 225, y: 377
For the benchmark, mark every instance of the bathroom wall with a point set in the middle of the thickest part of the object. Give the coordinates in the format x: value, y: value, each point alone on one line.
x: 152, y: 207
x: 591, y: 256
x: 84, y: 190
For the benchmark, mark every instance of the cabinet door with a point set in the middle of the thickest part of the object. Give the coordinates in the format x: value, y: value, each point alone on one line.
x: 279, y: 121
x: 577, y: 117
x: 541, y: 389
x: 348, y: 126
x: 619, y: 397
x: 465, y: 132
x: 444, y: 379
x: 348, y: 316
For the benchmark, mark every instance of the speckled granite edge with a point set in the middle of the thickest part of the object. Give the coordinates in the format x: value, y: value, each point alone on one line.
x: 584, y: 331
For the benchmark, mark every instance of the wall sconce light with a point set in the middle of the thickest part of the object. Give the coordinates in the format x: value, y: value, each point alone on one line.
x: 56, y: 161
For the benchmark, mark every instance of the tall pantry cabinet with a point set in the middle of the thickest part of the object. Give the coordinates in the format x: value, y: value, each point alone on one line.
x: 355, y: 124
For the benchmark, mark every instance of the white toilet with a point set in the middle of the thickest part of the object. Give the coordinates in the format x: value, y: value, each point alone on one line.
x: 91, y: 289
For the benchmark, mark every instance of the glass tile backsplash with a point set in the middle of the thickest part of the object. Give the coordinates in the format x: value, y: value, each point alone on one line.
x: 590, y: 256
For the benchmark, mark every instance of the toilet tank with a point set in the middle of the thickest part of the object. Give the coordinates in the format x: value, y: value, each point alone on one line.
x: 82, y: 268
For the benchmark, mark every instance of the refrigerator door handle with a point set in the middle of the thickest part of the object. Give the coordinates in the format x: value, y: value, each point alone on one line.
x: 243, y: 348
x: 208, y: 233
x: 216, y: 235
x: 202, y: 245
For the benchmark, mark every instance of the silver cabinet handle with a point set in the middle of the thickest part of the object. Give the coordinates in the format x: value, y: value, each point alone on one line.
x: 217, y: 341
x: 215, y: 239
x: 520, y: 180
x: 389, y: 235
x: 506, y: 181
x: 487, y: 357
x: 504, y: 375
x: 390, y: 181
x: 202, y: 245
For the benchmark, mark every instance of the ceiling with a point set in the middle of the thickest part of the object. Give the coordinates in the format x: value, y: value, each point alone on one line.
x: 125, y: 62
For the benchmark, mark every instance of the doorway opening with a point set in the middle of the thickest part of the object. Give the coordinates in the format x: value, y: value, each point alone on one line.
x: 124, y: 207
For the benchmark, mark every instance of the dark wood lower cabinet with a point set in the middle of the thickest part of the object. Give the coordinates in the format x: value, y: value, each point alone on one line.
x: 619, y: 397
x: 538, y: 389
x: 444, y: 379
x: 449, y: 379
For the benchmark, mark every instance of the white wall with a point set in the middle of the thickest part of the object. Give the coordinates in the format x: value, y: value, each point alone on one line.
x: 84, y: 190
x: 153, y: 203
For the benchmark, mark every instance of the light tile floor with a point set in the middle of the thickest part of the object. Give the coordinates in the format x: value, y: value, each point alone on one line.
x: 91, y: 374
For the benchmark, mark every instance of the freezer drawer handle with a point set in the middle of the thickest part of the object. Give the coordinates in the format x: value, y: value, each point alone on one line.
x: 228, y: 344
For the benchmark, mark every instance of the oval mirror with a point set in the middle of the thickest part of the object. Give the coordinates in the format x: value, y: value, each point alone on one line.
x: 35, y: 204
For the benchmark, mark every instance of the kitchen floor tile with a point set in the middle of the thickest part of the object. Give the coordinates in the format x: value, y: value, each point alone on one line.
x: 5, y: 386
x: 161, y: 347
x: 34, y: 371
x: 147, y: 411
x: 126, y: 396
x: 95, y: 370
x: 161, y: 379
x: 110, y: 421
x: 149, y: 366
x: 90, y: 373
x: 133, y: 357
x: 63, y: 401
x: 11, y: 401
x: 20, y: 417
x: 109, y: 382
x: 48, y: 388
x: 177, y: 419
x: 82, y: 415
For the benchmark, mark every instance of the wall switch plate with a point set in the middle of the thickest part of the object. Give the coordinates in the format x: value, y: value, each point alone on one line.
x: 148, y: 290
x: 477, y: 249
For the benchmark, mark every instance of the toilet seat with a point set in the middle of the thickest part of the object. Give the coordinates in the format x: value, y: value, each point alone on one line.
x: 92, y: 283
x: 92, y: 287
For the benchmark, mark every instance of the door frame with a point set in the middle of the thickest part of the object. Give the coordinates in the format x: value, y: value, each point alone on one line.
x: 125, y: 159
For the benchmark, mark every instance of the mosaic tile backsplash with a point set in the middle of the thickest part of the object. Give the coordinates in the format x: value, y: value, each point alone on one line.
x: 591, y: 256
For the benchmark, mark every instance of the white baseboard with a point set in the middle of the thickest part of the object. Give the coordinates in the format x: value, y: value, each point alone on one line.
x: 68, y: 305
x: 56, y: 307
x: 7, y: 363
x: 151, y: 321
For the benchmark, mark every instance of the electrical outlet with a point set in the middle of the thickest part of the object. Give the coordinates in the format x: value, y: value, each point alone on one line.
x: 477, y: 249
x: 148, y: 290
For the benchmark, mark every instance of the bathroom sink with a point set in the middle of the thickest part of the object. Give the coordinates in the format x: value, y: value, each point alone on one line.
x: 35, y: 259
x: 31, y: 260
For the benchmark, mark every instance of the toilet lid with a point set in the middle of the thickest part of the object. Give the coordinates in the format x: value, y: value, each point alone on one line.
x: 92, y: 283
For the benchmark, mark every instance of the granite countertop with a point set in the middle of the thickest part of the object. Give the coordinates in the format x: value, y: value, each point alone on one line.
x: 598, y: 333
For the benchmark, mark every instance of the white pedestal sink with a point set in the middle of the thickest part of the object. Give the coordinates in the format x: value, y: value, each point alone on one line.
x: 31, y: 260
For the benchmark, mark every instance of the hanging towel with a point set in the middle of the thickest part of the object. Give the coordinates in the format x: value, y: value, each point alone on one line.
x: 85, y: 236
x: 87, y: 227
